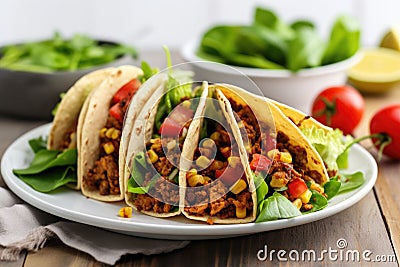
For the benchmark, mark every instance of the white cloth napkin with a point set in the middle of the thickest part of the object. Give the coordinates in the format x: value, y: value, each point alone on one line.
x: 23, y: 227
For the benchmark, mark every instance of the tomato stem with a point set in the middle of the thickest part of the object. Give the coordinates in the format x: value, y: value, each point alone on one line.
x: 382, y: 141
x: 329, y: 110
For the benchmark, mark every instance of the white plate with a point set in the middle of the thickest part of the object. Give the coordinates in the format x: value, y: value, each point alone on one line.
x: 72, y: 205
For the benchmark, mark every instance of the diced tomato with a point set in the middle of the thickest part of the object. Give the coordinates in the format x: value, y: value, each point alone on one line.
x: 126, y: 91
x: 297, y: 187
x: 260, y: 163
x: 181, y: 114
x: 219, y: 172
x: 175, y: 121
x: 170, y: 128
x: 116, y: 112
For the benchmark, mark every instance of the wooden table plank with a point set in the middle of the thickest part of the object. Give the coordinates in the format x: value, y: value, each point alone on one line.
x: 388, y: 182
x: 242, y: 251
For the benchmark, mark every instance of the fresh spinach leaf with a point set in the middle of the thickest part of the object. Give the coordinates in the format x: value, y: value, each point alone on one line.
x: 332, y: 187
x: 269, y: 19
x: 261, y: 188
x: 277, y: 207
x: 45, y: 159
x: 37, y: 144
x: 50, y: 179
x: 318, y: 202
x: 305, y: 50
x: 351, y: 181
x: 344, y: 40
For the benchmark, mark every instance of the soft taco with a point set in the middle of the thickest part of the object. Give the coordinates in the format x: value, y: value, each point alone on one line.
x: 64, y: 131
x: 275, y: 147
x: 216, y: 180
x: 158, y: 136
x: 100, y: 149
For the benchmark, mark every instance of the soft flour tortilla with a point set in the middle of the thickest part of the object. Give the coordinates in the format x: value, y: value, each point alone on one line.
x: 142, y: 132
x: 71, y: 105
x: 72, y: 110
x: 96, y: 117
x: 263, y: 109
x: 189, y: 153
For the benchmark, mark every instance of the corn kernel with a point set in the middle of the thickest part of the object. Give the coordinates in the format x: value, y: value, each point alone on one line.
x: 207, y: 179
x: 202, y: 161
x: 125, y: 212
x: 171, y: 144
x: 191, y: 172
x: 239, y: 186
x: 297, y: 202
x: 208, y: 143
x: 103, y: 132
x: 196, y: 180
x: 285, y: 157
x: 272, y: 153
x: 108, y: 148
x: 278, y: 181
x: 153, y: 157
x: 215, y: 136
x: 240, y: 212
x: 317, y: 187
x: 306, y: 196
x: 110, y: 132
x: 116, y: 134
x: 233, y: 161
x: 157, y: 144
x: 218, y: 164
x: 186, y: 104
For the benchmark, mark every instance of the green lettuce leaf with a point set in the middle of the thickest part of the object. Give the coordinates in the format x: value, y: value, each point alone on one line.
x: 318, y: 202
x: 350, y: 181
x: 330, y: 145
x: 277, y: 207
x: 49, y: 169
x: 50, y: 179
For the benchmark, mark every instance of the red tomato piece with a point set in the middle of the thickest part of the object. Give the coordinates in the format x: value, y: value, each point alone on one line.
x: 170, y: 128
x: 386, y: 124
x: 260, y: 163
x: 297, y: 187
x: 339, y: 107
x: 116, y: 112
x: 126, y: 91
x: 175, y: 121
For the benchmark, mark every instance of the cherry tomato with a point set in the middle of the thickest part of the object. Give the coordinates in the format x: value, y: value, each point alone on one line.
x: 126, y: 91
x: 339, y: 107
x: 297, y: 187
x: 386, y: 125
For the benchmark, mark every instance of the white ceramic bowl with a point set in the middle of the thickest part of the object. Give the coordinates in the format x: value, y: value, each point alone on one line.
x: 295, y: 89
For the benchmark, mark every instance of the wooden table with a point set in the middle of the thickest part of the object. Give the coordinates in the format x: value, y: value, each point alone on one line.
x: 371, y: 224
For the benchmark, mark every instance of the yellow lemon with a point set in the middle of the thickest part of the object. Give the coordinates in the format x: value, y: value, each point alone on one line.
x: 378, y: 71
x: 391, y: 39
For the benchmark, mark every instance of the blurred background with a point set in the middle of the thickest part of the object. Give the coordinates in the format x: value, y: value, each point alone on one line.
x: 149, y: 24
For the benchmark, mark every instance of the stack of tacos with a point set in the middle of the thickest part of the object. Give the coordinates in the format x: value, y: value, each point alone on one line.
x: 170, y: 148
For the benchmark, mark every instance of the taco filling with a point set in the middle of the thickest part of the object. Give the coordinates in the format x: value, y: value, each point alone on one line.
x: 216, y: 183
x: 104, y: 176
x: 283, y: 164
x: 164, y: 155
x: 154, y: 180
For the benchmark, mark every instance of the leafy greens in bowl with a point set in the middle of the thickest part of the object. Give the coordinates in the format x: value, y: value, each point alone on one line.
x: 270, y: 43
x: 60, y: 54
